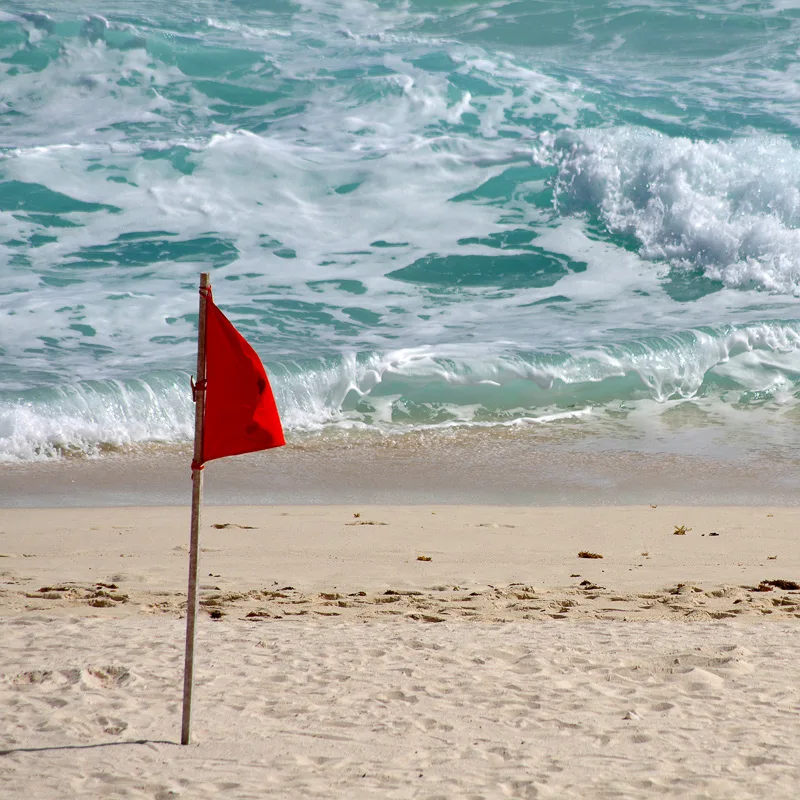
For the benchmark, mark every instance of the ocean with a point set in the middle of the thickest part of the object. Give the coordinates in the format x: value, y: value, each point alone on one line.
x: 513, y: 221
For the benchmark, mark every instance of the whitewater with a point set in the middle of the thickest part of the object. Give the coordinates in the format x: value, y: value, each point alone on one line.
x: 427, y: 217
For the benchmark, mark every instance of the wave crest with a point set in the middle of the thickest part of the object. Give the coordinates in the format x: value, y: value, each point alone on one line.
x: 729, y: 209
x: 419, y: 388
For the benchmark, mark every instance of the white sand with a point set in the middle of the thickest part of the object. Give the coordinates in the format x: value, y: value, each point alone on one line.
x: 503, y: 677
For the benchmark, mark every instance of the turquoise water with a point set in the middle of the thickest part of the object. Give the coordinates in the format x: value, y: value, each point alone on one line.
x: 423, y: 215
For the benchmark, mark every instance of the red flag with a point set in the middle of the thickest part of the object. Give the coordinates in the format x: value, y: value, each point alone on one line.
x: 240, y: 415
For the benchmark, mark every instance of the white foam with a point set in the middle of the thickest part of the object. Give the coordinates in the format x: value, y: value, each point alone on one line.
x: 85, y: 418
x: 754, y: 358
x: 732, y: 208
x: 247, y: 31
x: 282, y: 185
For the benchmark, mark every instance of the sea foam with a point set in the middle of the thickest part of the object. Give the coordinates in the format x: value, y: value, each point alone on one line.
x: 730, y: 209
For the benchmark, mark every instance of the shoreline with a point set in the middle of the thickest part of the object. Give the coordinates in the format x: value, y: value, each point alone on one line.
x: 468, y: 469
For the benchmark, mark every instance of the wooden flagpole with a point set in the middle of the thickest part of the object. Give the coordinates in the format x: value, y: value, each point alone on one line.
x: 199, y: 390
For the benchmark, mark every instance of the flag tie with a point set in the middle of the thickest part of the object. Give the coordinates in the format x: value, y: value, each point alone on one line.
x: 200, y: 386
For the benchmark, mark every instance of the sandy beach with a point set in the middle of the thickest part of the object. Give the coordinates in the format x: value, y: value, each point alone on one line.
x: 478, y: 325
x: 403, y: 652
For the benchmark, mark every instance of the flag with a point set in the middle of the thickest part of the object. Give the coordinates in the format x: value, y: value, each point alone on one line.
x: 240, y: 411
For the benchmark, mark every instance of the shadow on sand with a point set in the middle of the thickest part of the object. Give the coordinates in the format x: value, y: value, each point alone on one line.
x: 81, y: 746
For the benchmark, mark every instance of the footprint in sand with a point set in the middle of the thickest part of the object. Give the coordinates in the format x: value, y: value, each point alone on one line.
x: 106, y: 677
x: 112, y: 725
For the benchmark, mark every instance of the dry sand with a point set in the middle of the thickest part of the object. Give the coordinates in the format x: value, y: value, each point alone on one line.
x: 334, y: 663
